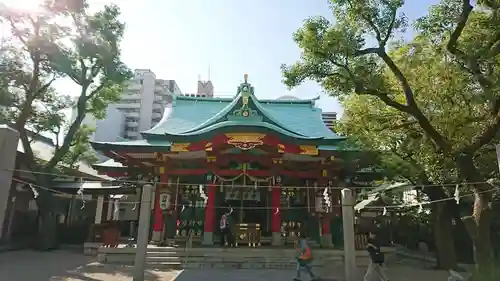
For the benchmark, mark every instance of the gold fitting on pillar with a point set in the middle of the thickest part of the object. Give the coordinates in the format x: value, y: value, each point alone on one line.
x: 277, y: 161
x: 211, y: 159
x: 324, y: 173
x: 159, y: 157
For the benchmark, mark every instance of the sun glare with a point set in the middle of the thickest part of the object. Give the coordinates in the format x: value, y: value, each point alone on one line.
x: 27, y: 5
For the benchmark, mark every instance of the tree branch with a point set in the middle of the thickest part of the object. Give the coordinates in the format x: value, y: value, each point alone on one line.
x: 391, y: 25
x: 398, y: 126
x: 367, y: 51
x: 407, y: 90
x: 385, y: 98
x: 471, y: 62
x: 484, y: 138
x: 452, y: 45
x: 368, y: 20
x: 412, y: 107
x: 64, y: 148
x: 95, y: 91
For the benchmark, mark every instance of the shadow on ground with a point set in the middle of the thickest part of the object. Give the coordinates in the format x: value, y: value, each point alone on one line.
x: 67, y: 266
x: 240, y: 275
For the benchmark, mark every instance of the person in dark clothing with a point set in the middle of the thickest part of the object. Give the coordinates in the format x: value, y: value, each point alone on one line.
x: 375, y: 267
x: 225, y: 230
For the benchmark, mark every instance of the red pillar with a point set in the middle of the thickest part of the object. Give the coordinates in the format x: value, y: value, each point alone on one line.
x: 158, y: 212
x: 275, y: 211
x: 276, y: 215
x: 209, y: 225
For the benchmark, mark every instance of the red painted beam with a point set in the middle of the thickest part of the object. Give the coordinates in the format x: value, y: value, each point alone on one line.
x: 254, y: 173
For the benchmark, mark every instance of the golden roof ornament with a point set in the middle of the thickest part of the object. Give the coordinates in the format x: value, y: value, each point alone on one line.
x: 245, y: 77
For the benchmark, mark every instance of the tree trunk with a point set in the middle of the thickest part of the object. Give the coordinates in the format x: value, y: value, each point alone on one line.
x: 443, y: 233
x: 47, y: 224
x: 463, y: 243
x: 479, y: 224
x: 444, y: 237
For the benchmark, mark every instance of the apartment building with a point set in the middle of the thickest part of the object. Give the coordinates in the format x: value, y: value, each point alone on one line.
x: 141, y: 107
x: 205, y: 90
x: 144, y: 102
x: 329, y: 119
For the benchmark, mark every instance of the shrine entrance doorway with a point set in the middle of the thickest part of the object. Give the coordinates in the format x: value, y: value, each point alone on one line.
x: 249, y: 205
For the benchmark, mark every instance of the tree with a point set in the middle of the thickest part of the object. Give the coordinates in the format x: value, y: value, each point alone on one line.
x: 339, y: 58
x: 405, y: 157
x: 61, y: 41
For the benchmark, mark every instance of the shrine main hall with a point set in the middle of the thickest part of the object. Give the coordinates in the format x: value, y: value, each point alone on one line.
x: 273, y: 164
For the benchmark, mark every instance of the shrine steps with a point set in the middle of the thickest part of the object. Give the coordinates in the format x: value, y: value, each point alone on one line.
x: 233, y: 258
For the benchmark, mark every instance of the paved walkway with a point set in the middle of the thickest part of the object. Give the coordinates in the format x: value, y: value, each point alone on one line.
x: 73, y: 266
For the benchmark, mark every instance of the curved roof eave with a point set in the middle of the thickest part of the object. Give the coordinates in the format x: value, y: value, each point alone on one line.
x: 138, y: 145
x: 266, y: 113
x: 242, y: 123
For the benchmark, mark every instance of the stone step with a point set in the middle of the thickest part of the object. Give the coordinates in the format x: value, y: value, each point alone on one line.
x: 227, y: 265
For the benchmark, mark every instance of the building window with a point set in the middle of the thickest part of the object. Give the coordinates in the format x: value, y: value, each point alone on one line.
x: 141, y: 81
x: 131, y: 119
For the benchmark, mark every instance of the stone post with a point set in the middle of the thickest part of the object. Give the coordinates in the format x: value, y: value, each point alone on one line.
x: 109, y: 213
x: 208, y: 226
x: 348, y: 225
x: 143, y: 232
x: 98, y: 209
x: 9, y: 139
x: 116, y: 209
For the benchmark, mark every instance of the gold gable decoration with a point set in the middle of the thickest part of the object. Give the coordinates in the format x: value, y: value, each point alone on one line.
x: 245, y: 141
x: 179, y: 147
x: 309, y: 150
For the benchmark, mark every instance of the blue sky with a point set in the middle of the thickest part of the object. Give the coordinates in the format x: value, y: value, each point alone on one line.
x: 180, y: 39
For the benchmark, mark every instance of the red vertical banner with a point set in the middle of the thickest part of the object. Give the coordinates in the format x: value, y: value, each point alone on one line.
x: 325, y: 224
x: 158, y: 212
x: 275, y: 209
x: 210, y: 208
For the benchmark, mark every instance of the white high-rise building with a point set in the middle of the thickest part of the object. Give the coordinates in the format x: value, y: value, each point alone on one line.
x: 144, y: 102
x: 141, y: 107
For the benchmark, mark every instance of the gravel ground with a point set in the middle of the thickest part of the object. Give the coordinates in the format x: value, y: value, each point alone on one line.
x: 73, y: 266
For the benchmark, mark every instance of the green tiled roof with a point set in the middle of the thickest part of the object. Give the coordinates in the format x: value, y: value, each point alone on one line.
x: 190, y: 116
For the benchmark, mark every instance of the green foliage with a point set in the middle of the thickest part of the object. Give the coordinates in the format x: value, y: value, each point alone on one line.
x: 420, y: 96
x: 63, y: 41
x: 431, y: 105
x: 79, y: 151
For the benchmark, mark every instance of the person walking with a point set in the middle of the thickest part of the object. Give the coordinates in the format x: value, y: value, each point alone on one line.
x: 225, y: 230
x: 375, y: 267
x: 304, y: 259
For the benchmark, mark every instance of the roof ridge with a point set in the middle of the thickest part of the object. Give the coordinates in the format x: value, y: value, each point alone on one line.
x: 245, y: 93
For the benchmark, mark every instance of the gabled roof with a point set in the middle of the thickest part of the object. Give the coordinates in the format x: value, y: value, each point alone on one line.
x: 190, y: 116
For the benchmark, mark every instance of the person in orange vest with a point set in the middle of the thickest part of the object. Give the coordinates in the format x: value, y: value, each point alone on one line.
x: 304, y: 259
